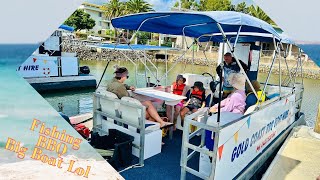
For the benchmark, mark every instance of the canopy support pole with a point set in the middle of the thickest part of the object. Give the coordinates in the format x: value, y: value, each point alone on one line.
x: 166, y: 59
x: 137, y: 55
x: 285, y: 60
x: 135, y: 66
x: 301, y: 66
x: 278, y: 51
x: 238, y: 62
x: 237, y: 37
x: 175, y: 63
x: 143, y: 23
x: 267, y: 80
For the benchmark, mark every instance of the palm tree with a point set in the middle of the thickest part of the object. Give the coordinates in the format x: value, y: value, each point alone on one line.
x: 188, y: 4
x: 242, y: 7
x: 138, y: 6
x: 114, y: 8
x: 258, y: 13
x: 215, y: 5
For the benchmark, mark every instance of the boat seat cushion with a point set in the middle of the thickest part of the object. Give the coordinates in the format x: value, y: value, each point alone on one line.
x: 108, y: 105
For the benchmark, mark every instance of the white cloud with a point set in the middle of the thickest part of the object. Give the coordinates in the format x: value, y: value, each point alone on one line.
x: 162, y: 5
x: 33, y: 21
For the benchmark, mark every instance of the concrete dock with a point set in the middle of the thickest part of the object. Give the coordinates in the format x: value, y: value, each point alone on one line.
x: 44, y: 84
x: 298, y: 158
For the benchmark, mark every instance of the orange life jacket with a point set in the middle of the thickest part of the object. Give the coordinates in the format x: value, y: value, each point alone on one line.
x: 178, y: 89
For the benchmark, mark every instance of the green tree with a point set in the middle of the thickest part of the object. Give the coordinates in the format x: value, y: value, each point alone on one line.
x: 114, y: 8
x: 80, y: 20
x: 138, y: 6
x: 215, y: 5
x: 258, y: 13
x: 188, y: 4
x: 143, y: 37
x: 242, y: 7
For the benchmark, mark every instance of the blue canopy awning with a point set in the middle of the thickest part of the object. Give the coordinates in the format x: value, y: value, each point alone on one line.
x: 67, y: 28
x: 197, y: 24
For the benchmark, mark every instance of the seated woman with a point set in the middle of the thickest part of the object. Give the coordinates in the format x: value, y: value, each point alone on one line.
x: 251, y: 97
x: 236, y: 101
x: 179, y: 88
x: 117, y: 86
x: 196, y: 100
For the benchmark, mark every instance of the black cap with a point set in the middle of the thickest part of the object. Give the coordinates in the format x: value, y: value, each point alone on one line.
x: 199, y: 85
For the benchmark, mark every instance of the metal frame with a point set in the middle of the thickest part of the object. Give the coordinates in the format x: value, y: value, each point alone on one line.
x: 185, y: 156
x: 97, y: 127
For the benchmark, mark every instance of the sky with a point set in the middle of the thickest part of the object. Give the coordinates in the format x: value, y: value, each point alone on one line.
x: 298, y: 19
x: 164, y: 5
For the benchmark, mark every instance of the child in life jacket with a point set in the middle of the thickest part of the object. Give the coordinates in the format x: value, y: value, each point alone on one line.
x: 195, y: 101
x: 179, y: 88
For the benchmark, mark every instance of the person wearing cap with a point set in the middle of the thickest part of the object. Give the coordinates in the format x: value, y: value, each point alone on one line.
x: 229, y: 65
x: 195, y: 101
x: 117, y: 86
x: 236, y: 101
x: 179, y: 88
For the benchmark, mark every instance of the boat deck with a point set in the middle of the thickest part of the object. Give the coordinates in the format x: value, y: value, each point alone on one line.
x: 165, y: 165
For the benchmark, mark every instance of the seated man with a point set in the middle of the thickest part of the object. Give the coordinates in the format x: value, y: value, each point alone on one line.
x: 251, y: 97
x: 228, y: 66
x: 118, y: 87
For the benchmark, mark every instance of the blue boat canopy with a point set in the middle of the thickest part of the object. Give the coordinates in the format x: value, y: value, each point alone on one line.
x: 199, y: 25
x: 67, y: 28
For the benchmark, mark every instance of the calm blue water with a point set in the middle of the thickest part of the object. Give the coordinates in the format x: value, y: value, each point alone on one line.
x: 20, y: 104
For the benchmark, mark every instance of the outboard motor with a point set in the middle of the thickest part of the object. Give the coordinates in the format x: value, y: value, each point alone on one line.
x: 84, y: 70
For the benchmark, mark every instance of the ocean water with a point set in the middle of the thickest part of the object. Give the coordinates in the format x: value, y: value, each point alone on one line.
x: 20, y: 104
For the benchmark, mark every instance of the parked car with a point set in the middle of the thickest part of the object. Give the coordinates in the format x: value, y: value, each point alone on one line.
x: 95, y: 38
x: 68, y: 35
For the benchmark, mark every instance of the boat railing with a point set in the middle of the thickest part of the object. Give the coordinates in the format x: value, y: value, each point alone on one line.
x: 99, y: 116
x: 186, y: 154
x: 186, y: 145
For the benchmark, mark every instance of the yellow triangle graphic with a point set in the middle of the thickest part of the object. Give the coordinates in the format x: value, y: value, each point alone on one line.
x: 236, y: 137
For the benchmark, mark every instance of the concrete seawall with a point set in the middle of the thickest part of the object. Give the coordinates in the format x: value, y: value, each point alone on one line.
x: 84, y: 52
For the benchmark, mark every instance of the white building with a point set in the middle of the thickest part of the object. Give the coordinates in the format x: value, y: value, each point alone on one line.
x: 102, y: 22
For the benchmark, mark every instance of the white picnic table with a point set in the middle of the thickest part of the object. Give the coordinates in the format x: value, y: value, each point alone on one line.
x: 169, y: 99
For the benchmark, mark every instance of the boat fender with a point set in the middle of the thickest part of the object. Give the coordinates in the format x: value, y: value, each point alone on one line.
x: 240, y: 149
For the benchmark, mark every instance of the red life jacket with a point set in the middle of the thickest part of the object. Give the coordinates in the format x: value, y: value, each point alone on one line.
x: 197, y: 94
x: 178, y: 89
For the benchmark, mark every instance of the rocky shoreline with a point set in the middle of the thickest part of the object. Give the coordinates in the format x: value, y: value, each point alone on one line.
x: 85, y: 52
